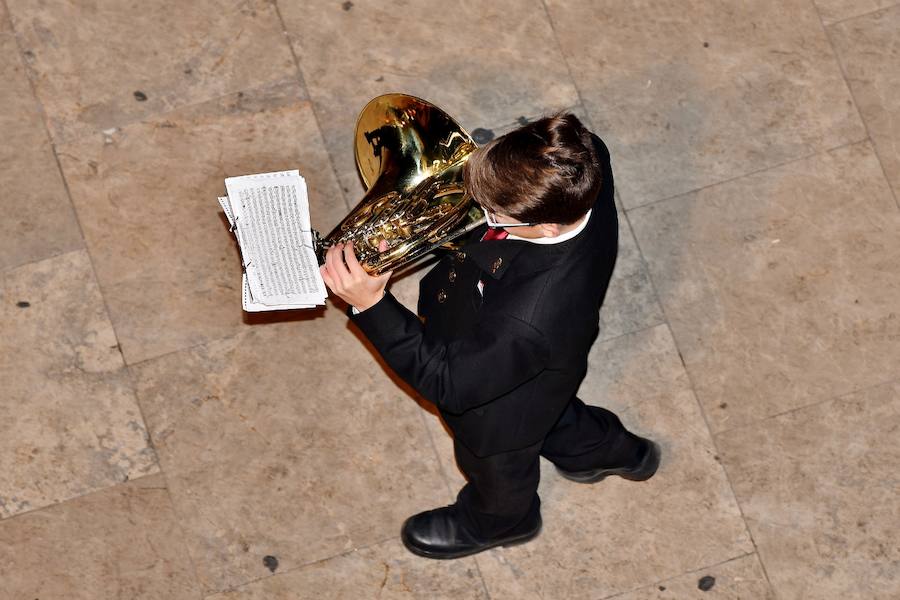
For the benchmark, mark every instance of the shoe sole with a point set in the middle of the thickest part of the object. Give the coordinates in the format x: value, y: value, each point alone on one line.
x: 510, y: 541
x: 642, y: 472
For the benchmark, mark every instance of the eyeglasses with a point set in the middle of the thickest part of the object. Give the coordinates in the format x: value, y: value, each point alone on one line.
x: 492, y: 223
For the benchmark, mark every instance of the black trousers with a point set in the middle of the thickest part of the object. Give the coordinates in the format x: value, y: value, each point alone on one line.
x: 502, y: 488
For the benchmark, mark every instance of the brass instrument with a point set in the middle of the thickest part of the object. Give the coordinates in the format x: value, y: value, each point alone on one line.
x: 410, y: 155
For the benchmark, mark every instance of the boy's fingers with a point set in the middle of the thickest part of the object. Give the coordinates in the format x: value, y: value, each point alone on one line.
x: 329, y: 261
x: 326, y: 277
x: 335, y: 265
x: 353, y: 265
x: 382, y: 245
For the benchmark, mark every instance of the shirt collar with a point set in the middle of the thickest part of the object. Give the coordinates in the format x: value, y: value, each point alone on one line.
x: 559, y: 238
x: 494, y: 257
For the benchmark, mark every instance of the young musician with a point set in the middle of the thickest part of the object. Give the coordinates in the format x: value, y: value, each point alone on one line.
x: 508, y: 323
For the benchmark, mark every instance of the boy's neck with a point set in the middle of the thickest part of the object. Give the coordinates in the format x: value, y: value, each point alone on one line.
x: 545, y: 230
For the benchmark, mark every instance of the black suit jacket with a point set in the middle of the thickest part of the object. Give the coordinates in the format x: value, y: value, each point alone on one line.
x: 503, y: 366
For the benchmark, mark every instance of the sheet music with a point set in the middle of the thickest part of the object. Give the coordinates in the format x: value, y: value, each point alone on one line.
x: 226, y: 208
x: 250, y: 305
x: 269, y: 213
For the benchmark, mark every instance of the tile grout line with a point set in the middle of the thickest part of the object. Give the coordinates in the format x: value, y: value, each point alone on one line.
x: 693, y: 388
x: 749, y: 174
x: 850, y: 18
x: 65, y: 182
x: 214, y: 340
x: 99, y: 490
x: 312, y: 105
x: 299, y: 567
x: 446, y: 479
x: 65, y: 140
x: 531, y: 117
x: 667, y: 579
x: 434, y: 449
x: 827, y: 399
x: 175, y: 512
x: 8, y: 270
x: 837, y: 58
x: 619, y: 336
x: 563, y: 56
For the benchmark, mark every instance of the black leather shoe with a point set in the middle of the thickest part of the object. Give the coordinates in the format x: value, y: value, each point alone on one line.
x: 645, y: 468
x: 438, y: 533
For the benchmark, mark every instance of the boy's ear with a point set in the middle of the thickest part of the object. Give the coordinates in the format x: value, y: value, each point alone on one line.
x: 549, y: 229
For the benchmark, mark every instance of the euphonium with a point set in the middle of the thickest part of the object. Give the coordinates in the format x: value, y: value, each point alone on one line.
x: 410, y: 155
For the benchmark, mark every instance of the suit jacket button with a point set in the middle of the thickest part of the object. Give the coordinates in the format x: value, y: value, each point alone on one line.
x: 442, y: 296
x: 451, y: 276
x: 460, y: 256
x: 496, y: 264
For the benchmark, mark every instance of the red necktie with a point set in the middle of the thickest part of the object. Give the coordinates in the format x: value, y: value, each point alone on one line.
x: 494, y: 234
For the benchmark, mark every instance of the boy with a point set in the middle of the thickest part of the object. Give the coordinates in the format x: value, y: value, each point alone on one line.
x: 508, y: 323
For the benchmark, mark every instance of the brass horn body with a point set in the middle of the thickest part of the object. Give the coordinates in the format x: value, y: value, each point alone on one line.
x: 410, y: 155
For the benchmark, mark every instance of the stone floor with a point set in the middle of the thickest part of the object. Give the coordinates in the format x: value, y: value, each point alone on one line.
x: 157, y: 443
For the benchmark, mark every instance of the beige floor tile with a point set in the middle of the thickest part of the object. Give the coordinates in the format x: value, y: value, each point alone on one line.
x: 630, y: 303
x: 485, y: 63
x: 69, y: 422
x: 781, y: 288
x: 838, y: 10
x: 539, y: 113
x: 122, y: 542
x: 619, y: 535
x: 443, y: 445
x: 818, y: 487
x: 287, y: 441
x: 384, y: 571
x: 38, y: 220
x: 146, y: 198
x: 868, y: 49
x: 739, y: 579
x: 88, y: 76
x: 690, y: 96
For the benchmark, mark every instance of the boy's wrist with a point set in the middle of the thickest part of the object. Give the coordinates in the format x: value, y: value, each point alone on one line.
x: 366, y: 305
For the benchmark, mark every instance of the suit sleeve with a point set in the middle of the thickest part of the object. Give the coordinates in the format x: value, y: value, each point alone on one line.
x: 461, y: 374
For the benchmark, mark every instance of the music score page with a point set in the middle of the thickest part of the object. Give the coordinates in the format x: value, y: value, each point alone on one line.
x: 269, y: 214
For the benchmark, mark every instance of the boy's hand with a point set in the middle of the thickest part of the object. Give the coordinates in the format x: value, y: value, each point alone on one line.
x: 345, y: 277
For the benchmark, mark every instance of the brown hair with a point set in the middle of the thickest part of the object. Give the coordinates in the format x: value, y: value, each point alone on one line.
x: 544, y: 172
